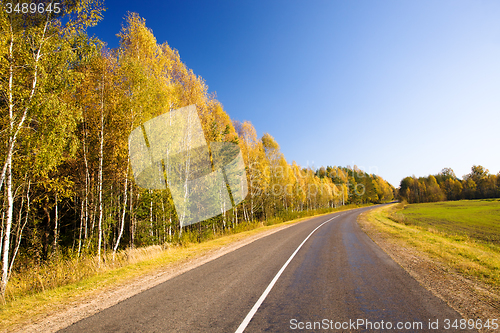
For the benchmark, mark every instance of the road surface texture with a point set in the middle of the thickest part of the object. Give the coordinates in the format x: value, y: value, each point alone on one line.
x: 338, y: 281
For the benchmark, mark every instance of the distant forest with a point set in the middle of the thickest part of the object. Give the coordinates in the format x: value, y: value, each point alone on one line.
x: 478, y: 184
x: 68, y: 105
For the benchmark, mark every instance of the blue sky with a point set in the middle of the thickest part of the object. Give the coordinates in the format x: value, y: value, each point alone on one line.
x: 395, y: 87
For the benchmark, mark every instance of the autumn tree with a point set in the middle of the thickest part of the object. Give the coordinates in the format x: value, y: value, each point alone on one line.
x: 478, y: 184
x: 36, y: 66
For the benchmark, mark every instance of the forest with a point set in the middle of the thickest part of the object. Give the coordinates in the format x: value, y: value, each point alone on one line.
x: 478, y: 184
x: 68, y: 105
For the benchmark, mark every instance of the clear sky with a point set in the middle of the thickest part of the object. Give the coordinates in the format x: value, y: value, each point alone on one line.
x: 396, y: 87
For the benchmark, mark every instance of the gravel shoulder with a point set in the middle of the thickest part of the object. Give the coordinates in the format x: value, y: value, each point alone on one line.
x: 472, y: 299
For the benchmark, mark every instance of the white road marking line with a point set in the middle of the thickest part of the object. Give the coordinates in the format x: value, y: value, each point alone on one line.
x: 256, y: 306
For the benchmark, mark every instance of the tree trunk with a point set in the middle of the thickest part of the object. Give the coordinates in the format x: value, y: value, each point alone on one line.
x: 87, y: 180
x: 20, y: 229
x: 132, y: 217
x: 6, y: 243
x: 164, y: 222
x: 56, y: 228
x: 124, y: 210
x: 236, y: 214
x: 101, y: 158
x: 2, y: 233
x: 81, y: 229
x: 151, y: 213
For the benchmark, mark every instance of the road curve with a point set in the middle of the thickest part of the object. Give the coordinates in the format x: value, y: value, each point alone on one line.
x: 339, y: 280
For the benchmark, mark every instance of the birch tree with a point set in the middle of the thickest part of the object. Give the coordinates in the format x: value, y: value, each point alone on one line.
x: 36, y: 53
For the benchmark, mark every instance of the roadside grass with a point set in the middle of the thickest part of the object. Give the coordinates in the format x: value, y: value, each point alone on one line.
x: 449, y: 232
x: 44, y: 289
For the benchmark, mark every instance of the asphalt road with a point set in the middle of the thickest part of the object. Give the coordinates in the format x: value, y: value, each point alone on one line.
x: 339, y: 279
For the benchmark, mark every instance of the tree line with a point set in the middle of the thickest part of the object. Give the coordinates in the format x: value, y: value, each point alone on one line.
x: 68, y: 105
x: 478, y: 184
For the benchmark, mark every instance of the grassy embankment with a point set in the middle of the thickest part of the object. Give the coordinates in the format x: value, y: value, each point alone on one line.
x: 463, y: 235
x: 40, y: 290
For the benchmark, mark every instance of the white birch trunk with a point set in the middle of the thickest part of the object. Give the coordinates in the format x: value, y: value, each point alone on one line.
x: 122, y: 226
x: 2, y: 233
x: 56, y: 227
x: 131, y: 216
x: 163, y: 220
x: 20, y: 233
x: 6, y: 243
x: 101, y: 158
x: 87, y: 182
x: 151, y: 213
x: 81, y: 229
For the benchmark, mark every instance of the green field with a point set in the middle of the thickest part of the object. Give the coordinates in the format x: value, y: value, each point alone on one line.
x: 464, y: 235
x: 478, y: 220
